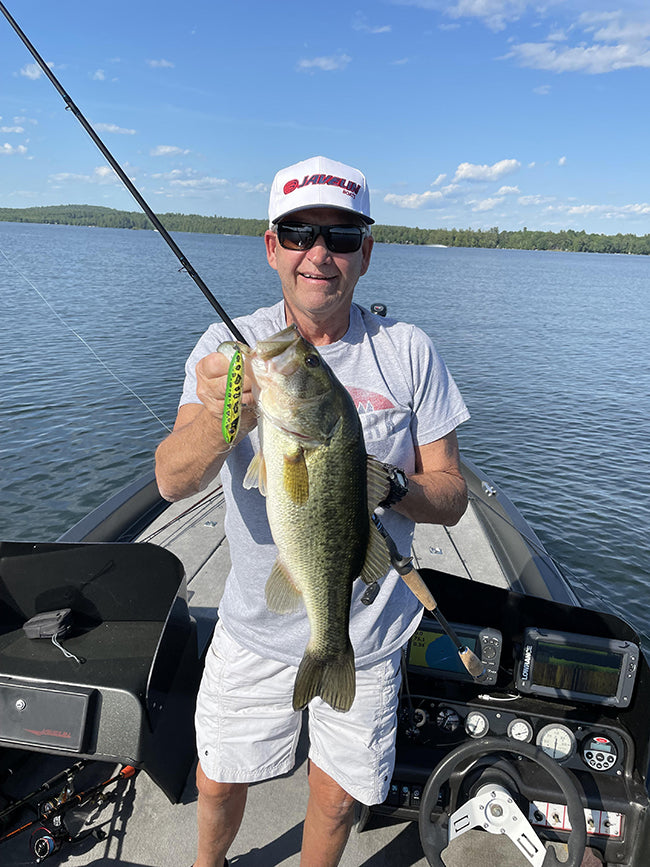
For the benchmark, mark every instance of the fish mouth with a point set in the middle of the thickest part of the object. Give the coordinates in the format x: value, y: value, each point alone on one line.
x: 278, y: 343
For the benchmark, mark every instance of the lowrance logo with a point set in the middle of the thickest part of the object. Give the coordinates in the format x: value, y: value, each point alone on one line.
x: 528, y: 658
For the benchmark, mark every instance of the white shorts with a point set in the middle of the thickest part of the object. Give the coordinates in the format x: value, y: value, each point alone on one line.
x: 247, y: 729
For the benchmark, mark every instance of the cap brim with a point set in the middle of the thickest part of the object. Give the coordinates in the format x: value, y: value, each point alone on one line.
x: 368, y: 220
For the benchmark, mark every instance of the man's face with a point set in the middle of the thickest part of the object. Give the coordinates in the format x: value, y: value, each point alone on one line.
x: 317, y: 283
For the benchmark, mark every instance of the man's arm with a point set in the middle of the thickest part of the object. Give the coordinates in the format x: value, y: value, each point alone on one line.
x: 194, y: 452
x: 437, y: 490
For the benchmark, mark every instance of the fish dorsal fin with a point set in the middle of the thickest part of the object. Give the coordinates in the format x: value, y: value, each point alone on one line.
x: 282, y: 595
x: 378, y: 483
x: 296, y: 477
x: 256, y: 474
x: 377, y: 561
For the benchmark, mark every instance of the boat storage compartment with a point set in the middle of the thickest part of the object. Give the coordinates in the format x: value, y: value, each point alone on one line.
x: 121, y: 685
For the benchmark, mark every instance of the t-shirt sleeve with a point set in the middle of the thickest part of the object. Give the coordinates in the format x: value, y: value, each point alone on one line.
x: 438, y: 407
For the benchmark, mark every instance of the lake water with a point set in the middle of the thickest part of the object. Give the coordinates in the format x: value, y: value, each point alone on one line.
x: 551, y: 352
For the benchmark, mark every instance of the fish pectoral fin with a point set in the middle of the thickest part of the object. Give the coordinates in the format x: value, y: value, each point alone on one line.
x: 256, y: 474
x: 282, y: 595
x: 377, y: 561
x: 296, y: 477
x: 332, y: 678
x: 378, y: 483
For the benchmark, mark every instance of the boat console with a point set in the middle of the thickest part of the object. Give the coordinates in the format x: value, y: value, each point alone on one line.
x: 552, y: 740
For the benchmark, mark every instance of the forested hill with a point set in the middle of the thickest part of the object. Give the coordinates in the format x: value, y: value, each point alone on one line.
x: 522, y: 239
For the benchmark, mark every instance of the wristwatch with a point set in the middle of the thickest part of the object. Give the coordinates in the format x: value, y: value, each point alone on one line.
x: 399, y: 486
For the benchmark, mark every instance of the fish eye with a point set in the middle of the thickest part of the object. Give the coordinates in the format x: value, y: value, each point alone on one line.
x: 312, y: 360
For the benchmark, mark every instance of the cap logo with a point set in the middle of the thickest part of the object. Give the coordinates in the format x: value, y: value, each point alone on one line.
x: 347, y: 187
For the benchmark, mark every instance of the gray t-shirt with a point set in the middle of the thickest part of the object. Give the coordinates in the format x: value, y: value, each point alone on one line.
x: 405, y: 396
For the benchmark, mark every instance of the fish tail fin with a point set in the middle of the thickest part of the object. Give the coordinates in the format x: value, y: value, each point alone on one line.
x: 332, y: 678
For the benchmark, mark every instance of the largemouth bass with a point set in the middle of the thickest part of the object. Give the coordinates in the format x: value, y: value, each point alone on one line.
x: 321, y: 489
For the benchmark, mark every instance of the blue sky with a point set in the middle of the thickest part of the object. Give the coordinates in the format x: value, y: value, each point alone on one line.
x: 467, y: 113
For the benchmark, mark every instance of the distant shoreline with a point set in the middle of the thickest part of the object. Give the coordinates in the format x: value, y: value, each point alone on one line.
x: 568, y: 240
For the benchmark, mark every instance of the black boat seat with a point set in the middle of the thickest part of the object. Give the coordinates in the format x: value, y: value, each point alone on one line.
x: 131, y: 697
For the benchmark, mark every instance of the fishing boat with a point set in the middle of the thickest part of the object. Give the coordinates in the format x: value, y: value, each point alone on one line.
x: 545, y: 753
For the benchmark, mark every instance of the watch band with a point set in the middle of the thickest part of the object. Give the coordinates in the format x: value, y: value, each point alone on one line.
x: 399, y: 486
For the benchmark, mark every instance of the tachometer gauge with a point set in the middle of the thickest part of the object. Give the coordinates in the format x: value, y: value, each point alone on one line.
x: 520, y: 730
x: 476, y: 724
x: 557, y: 741
x: 447, y: 719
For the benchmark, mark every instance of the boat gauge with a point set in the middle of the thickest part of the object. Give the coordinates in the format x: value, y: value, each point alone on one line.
x: 476, y: 724
x: 520, y: 730
x: 599, y: 753
x: 447, y: 719
x: 557, y: 741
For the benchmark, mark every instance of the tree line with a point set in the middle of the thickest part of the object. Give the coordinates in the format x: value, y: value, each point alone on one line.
x: 568, y: 240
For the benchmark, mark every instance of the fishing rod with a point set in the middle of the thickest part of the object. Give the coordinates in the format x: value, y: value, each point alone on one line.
x: 414, y: 581
x: 48, y: 838
x: 119, y: 171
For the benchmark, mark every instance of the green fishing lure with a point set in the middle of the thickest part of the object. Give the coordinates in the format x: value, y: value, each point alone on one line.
x: 232, y: 401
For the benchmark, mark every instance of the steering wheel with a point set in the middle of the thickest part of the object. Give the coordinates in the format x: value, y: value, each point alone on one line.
x: 494, y: 809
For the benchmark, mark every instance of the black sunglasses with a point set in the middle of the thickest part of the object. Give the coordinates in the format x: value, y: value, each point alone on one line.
x: 338, y: 239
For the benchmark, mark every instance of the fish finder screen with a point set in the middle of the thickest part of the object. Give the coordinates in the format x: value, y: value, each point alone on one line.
x: 430, y: 649
x: 577, y: 669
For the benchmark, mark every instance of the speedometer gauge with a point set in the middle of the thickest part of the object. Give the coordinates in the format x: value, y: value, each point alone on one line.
x: 520, y: 730
x: 557, y: 741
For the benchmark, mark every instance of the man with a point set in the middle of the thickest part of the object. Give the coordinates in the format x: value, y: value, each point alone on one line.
x: 319, y: 242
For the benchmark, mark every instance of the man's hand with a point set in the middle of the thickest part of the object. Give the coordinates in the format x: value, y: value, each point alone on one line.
x: 211, y: 379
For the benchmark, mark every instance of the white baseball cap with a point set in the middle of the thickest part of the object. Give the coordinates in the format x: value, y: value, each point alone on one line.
x: 319, y: 183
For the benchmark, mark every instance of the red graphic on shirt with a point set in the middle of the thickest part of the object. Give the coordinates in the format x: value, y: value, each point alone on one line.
x: 369, y: 401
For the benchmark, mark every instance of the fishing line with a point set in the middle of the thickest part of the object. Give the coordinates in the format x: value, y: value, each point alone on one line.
x: 85, y: 342
x: 117, y: 168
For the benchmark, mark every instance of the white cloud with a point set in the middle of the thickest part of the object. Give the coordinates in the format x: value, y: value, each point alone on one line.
x: 100, y: 175
x: 10, y: 150
x: 486, y: 204
x: 202, y: 184
x: 414, y: 201
x: 99, y: 75
x: 506, y: 191
x: 168, y: 151
x: 561, y: 161
x: 605, y: 42
x: 535, y: 200
x: 247, y: 187
x: 608, y: 211
x: 471, y: 172
x: 33, y: 70
x: 542, y: 90
x: 592, y: 59
x: 325, y: 64
x: 17, y: 129
x: 495, y: 14
x: 174, y: 174
x: 160, y: 64
x: 439, y: 180
x: 360, y: 22
x: 112, y: 127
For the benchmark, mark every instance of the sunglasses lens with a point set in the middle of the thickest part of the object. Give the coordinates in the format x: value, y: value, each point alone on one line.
x: 296, y: 236
x: 301, y: 236
x: 344, y: 239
